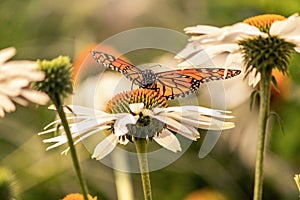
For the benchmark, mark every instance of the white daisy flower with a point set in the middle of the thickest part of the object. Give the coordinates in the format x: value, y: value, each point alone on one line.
x: 209, y: 42
x: 139, y: 114
x: 15, y: 78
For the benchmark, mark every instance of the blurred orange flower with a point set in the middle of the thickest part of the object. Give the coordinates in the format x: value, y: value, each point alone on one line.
x: 77, y: 196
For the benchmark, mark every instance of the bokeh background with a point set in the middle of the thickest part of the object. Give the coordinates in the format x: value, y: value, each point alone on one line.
x: 41, y: 29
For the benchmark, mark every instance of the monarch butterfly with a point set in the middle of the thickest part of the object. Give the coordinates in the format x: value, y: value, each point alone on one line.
x: 170, y: 84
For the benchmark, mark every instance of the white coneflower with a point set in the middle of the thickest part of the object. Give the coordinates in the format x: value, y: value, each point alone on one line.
x: 141, y: 114
x: 260, y: 45
x: 264, y: 37
x: 15, y: 80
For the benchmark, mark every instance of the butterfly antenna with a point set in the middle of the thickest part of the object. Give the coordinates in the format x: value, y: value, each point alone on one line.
x: 70, y: 109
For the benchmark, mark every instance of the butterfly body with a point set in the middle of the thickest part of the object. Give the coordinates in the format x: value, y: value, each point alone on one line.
x: 170, y: 84
x: 148, y: 78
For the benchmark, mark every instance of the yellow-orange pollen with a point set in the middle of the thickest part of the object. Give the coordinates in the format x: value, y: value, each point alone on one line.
x: 150, y: 98
x: 264, y: 22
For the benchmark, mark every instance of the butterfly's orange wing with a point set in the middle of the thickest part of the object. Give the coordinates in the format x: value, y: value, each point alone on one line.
x: 127, y: 69
x: 169, y: 84
x: 178, y: 83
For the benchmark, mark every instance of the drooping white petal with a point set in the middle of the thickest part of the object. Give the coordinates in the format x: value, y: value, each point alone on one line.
x: 17, y: 82
x: 197, y: 109
x: 105, y: 147
x: 297, y: 49
x: 120, y: 125
x: 6, y: 104
x: 168, y: 140
x: 19, y: 67
x: 2, y: 113
x: 177, y: 126
x: 35, y: 96
x: 185, y: 120
x: 80, y: 110
x: 19, y: 100
x: 193, y: 134
x: 123, y: 140
x: 253, y: 78
x: 198, y: 58
x: 191, y: 48
x: 6, y: 54
x: 5, y: 89
x: 101, y: 128
x: 234, y: 60
x: 60, y: 138
x: 136, y: 107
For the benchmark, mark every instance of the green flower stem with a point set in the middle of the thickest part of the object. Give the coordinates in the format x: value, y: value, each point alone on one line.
x: 264, y: 109
x: 57, y: 102
x: 141, y: 148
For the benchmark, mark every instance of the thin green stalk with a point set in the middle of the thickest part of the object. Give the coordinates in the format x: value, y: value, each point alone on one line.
x: 59, y: 107
x: 264, y: 109
x: 141, y: 148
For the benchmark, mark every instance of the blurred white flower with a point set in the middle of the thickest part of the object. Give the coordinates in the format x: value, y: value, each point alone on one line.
x: 209, y: 42
x: 125, y: 127
x: 15, y: 79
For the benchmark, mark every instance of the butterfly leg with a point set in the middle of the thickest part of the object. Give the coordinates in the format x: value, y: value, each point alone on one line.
x: 131, y: 85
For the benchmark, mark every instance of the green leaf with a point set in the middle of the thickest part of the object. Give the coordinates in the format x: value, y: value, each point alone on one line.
x: 278, y: 119
x: 275, y: 84
x: 253, y: 97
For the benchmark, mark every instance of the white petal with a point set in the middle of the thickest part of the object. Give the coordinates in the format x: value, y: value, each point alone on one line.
x: 18, y: 82
x: 2, y: 113
x: 136, y: 107
x: 105, y: 147
x: 168, y: 140
x: 198, y: 109
x: 230, y: 34
x: 288, y: 29
x: 234, y: 60
x: 6, y: 104
x: 21, y: 66
x: 59, y: 138
x: 123, y: 140
x: 186, y: 120
x: 297, y: 49
x: 19, y: 100
x: 60, y: 142
x: 201, y: 29
x: 35, y: 96
x: 192, y: 135
x: 178, y: 127
x: 253, y: 78
x: 6, y: 54
x: 208, y: 53
x: 101, y: 128
x: 191, y: 48
x: 120, y: 125
x: 12, y: 92
x: 80, y: 110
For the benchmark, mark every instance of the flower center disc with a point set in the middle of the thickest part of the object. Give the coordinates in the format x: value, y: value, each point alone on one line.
x: 264, y: 22
x: 146, y: 127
